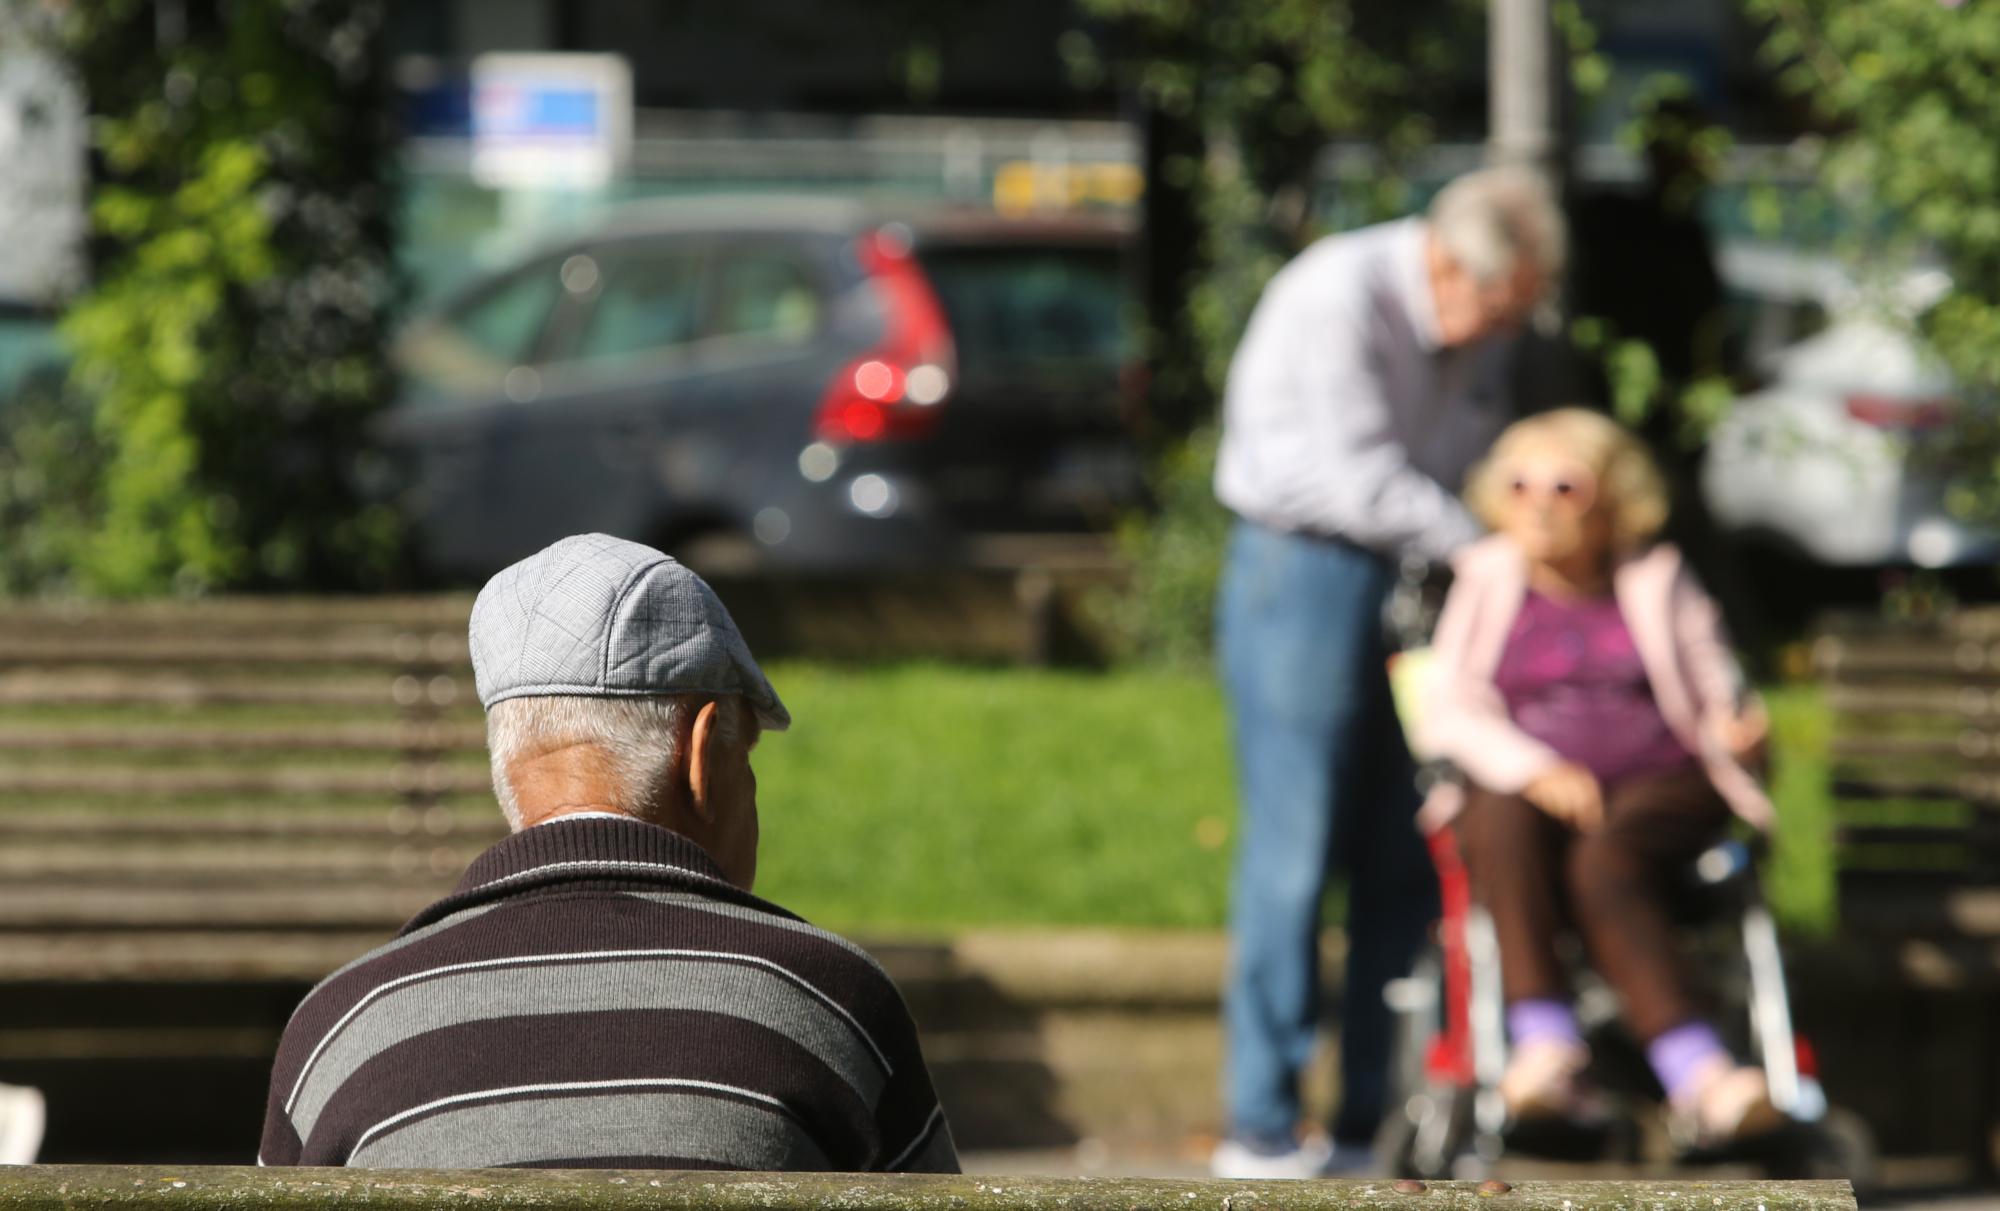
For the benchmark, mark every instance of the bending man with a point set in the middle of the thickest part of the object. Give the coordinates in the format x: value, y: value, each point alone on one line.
x: 1375, y: 369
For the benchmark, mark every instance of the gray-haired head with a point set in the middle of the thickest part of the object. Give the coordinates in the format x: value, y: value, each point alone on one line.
x: 1493, y: 220
x: 600, y: 643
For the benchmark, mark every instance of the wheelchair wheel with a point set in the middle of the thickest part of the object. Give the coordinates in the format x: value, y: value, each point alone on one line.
x: 1426, y: 1125
x: 1840, y: 1146
x: 1426, y: 1134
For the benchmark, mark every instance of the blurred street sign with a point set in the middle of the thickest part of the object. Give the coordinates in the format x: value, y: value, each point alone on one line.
x: 550, y: 121
x: 1024, y: 186
x: 42, y: 143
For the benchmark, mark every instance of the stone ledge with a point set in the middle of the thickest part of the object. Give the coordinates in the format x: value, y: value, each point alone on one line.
x: 109, y: 1187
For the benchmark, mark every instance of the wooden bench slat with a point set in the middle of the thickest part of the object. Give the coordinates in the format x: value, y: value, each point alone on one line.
x: 1950, y: 702
x: 137, y: 1042
x: 410, y: 648
x: 139, y: 783
x: 390, y: 737
x: 1948, y: 659
x: 377, y: 906
x: 442, y: 610
x: 1917, y: 904
x: 1965, y: 745
x: 1971, y: 788
x: 101, y: 689
x: 387, y: 823
x: 1903, y: 834
x: 286, y: 863
x: 201, y: 954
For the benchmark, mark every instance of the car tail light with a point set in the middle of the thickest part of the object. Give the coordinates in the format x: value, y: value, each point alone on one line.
x: 895, y: 389
x: 1900, y: 412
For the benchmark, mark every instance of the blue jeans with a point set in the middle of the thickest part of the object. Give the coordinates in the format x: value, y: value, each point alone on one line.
x: 1326, y: 783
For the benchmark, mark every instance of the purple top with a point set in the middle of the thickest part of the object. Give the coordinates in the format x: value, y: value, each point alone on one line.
x: 1571, y: 677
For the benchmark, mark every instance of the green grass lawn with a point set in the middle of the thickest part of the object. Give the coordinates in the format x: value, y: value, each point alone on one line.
x: 923, y: 798
x: 1799, y: 877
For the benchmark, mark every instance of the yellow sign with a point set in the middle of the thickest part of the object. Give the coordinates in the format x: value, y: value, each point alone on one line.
x: 1023, y: 186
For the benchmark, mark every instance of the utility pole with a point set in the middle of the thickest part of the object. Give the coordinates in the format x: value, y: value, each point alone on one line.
x: 1522, y: 101
x: 1525, y: 128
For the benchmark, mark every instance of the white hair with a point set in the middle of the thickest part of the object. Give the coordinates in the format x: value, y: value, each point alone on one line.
x: 637, y: 740
x: 1488, y: 220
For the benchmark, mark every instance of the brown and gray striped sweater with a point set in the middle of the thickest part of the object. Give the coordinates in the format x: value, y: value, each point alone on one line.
x: 594, y: 994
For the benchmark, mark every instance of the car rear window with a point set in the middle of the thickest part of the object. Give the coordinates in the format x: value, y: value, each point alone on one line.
x: 649, y: 302
x: 505, y: 321
x: 1031, y: 309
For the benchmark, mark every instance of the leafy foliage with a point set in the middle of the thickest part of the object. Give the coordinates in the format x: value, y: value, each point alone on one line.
x: 1657, y: 352
x: 1914, y: 85
x: 1241, y: 97
x: 1167, y: 615
x: 1266, y: 85
x: 230, y: 347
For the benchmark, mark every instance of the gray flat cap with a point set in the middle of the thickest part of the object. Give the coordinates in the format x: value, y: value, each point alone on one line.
x: 598, y: 617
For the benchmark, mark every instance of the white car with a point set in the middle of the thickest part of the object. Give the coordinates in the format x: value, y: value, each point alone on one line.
x: 1824, y: 459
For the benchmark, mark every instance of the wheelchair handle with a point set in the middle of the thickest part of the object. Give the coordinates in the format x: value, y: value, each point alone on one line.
x: 1724, y: 862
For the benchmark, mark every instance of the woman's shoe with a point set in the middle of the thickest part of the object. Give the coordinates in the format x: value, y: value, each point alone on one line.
x: 1541, y: 1081
x: 22, y: 1116
x: 1726, y: 1102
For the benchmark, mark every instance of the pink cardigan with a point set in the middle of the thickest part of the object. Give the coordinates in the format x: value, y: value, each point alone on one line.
x: 1675, y: 625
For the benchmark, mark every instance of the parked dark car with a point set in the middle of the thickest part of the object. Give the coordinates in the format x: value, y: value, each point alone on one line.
x: 773, y: 383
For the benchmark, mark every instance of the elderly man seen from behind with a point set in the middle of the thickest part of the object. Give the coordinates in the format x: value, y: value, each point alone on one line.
x: 1375, y: 369
x: 602, y: 990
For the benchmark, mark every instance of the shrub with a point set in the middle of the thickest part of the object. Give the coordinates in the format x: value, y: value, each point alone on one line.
x: 1914, y: 88
x: 1167, y: 615
x: 230, y: 346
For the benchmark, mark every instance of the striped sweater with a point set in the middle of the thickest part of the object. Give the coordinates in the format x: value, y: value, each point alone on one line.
x: 594, y: 994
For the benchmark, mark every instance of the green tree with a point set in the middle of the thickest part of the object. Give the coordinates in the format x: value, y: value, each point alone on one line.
x: 230, y: 345
x: 1913, y: 88
x: 1243, y: 96
x: 1238, y: 99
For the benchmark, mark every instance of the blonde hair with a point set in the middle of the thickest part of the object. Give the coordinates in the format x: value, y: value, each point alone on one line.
x: 1629, y: 485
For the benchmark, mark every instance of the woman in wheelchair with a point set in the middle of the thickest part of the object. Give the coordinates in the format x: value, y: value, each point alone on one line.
x: 1585, y: 690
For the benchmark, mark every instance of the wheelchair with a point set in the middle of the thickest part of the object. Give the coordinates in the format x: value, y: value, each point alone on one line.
x: 1445, y: 1116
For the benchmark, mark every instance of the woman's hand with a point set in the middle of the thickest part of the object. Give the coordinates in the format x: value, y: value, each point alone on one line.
x: 1569, y: 793
x: 1744, y: 734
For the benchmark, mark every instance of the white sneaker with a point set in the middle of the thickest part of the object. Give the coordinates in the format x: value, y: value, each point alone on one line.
x: 23, y: 1115
x: 1235, y: 1159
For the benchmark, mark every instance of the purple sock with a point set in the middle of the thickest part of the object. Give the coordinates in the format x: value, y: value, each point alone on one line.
x: 1679, y: 1053
x: 1542, y: 1018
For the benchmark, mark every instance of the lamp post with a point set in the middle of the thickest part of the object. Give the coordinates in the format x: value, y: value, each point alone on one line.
x: 1522, y: 99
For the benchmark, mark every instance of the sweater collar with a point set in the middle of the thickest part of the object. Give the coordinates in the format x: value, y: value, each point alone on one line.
x: 590, y: 852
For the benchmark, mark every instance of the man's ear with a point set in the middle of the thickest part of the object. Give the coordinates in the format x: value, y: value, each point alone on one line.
x: 704, y: 750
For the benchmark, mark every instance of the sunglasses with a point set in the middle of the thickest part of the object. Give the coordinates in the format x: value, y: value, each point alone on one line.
x: 1570, y: 487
